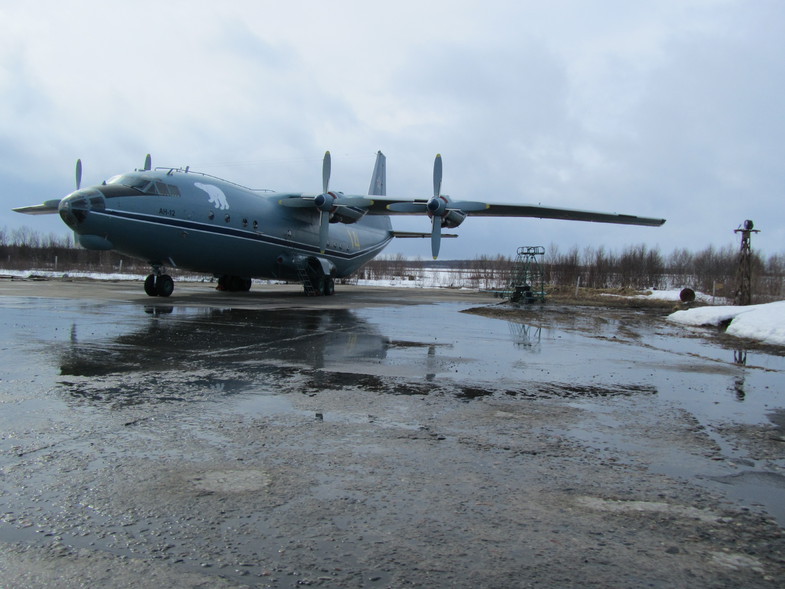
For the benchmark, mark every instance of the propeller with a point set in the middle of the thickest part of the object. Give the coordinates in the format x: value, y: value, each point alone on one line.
x: 437, y: 175
x: 325, y: 202
x: 436, y: 236
x: 52, y: 206
x: 326, y: 165
x: 438, y: 207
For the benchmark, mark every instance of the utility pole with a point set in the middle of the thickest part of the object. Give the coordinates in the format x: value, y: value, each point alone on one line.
x: 744, y: 271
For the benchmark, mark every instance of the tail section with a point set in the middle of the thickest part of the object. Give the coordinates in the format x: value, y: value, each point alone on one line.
x: 378, y: 185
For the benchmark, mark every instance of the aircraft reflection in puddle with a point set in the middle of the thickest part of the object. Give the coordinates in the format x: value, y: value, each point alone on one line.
x: 202, y: 354
x: 194, y: 354
x: 217, y: 339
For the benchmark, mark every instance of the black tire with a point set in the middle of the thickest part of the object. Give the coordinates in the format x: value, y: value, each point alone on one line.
x: 329, y: 286
x: 237, y: 284
x: 149, y: 286
x: 317, y: 283
x: 164, y: 285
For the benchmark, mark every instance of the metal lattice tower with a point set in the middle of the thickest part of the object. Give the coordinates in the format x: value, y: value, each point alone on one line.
x: 527, y: 277
x: 743, y: 294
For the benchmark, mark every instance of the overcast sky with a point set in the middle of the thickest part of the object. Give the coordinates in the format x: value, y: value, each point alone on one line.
x: 669, y: 109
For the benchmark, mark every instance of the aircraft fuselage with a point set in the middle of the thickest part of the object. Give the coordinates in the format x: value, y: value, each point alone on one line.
x: 188, y: 220
x: 182, y: 219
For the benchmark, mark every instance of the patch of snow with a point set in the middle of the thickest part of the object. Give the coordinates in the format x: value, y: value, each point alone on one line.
x: 673, y: 295
x: 53, y: 274
x: 664, y: 295
x: 764, y: 323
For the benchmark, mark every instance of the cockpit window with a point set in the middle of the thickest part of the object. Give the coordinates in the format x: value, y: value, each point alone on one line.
x: 130, y: 180
x: 144, y: 185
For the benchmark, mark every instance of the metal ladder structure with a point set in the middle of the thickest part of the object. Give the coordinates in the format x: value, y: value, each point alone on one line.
x: 302, y: 274
x: 527, y: 279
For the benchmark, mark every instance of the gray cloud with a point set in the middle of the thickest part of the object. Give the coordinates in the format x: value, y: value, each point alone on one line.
x: 665, y: 109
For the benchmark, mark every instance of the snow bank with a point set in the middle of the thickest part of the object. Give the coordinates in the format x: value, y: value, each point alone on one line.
x: 673, y: 295
x: 764, y: 323
x: 89, y: 275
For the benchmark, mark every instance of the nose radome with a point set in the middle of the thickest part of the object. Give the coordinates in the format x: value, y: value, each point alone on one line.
x: 74, y: 208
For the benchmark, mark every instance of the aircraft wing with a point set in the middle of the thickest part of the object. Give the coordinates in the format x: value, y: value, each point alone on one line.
x: 385, y: 205
x: 541, y: 212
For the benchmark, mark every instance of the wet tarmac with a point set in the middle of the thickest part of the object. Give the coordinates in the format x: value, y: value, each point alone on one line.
x: 380, y: 437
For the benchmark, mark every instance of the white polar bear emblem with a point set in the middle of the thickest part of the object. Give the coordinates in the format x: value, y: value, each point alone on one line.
x: 215, y: 194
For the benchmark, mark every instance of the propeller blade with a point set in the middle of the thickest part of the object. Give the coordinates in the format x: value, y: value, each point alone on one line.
x: 78, y: 174
x: 407, y: 207
x: 436, y: 236
x: 437, y: 175
x: 148, y: 162
x: 50, y: 207
x: 326, y: 164
x: 324, y: 220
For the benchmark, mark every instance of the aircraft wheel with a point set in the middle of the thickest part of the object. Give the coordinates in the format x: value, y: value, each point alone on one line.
x: 318, y: 284
x: 238, y: 284
x: 164, y: 285
x: 149, y: 286
x: 314, y: 287
x: 329, y: 286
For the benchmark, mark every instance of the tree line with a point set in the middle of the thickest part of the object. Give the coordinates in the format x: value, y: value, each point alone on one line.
x: 711, y: 270
x: 638, y: 267
x: 25, y: 249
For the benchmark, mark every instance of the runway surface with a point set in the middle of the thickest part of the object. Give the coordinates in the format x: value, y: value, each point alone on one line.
x: 379, y: 437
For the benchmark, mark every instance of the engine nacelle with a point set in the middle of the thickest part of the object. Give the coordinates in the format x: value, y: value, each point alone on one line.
x: 347, y: 214
x: 440, y: 206
x: 453, y: 218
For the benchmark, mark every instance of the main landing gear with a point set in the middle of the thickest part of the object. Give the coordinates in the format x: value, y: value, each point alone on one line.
x: 315, y: 286
x: 314, y: 279
x: 159, y: 285
x: 233, y: 283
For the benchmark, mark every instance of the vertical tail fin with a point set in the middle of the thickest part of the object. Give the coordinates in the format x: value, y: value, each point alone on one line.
x: 379, y: 178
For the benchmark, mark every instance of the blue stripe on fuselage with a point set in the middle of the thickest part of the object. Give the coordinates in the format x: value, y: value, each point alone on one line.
x: 240, y: 233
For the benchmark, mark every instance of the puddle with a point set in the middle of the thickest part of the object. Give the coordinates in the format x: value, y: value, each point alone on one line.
x: 112, y: 356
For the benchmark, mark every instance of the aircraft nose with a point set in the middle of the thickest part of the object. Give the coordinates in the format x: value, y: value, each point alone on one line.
x: 75, y: 207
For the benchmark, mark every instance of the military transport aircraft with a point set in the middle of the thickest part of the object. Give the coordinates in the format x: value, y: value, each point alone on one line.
x: 184, y: 219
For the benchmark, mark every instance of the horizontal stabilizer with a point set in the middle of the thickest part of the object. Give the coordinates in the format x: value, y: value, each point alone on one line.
x: 412, y: 234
